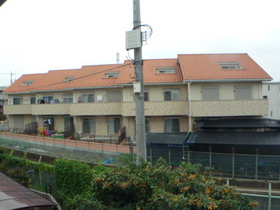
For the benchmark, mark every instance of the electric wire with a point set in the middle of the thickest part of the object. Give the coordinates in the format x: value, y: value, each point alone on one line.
x: 106, y: 70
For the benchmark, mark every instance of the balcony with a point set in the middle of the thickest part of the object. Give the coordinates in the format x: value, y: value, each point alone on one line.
x: 113, y: 108
x: 17, y: 109
x: 50, y: 109
x: 157, y: 108
x: 255, y: 107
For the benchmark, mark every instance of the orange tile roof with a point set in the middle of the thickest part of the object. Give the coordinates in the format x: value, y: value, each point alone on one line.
x: 188, y: 67
x: 206, y: 67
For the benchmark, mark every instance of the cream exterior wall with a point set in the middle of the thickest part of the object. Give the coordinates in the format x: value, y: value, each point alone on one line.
x: 156, y: 109
x: 272, y: 91
x: 226, y: 90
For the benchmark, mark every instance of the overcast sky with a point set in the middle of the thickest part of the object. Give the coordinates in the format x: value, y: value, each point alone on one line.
x: 41, y: 35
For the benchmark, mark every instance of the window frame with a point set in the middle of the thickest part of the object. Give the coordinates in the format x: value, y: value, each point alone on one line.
x: 165, y: 69
x: 68, y: 98
x: 172, y: 125
x: 86, y: 96
x: 242, y: 89
x: 207, y: 88
x: 111, y: 74
x: 110, y: 92
x: 172, y: 92
x: 27, y: 83
x: 32, y: 99
x: 146, y: 95
x: 89, y: 129
x: 230, y: 65
x: 18, y: 100
x: 114, y: 125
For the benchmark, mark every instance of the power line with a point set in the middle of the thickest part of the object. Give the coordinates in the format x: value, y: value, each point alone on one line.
x: 32, y: 88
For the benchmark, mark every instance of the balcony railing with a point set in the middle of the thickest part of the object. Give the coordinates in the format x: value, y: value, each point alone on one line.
x: 254, y: 107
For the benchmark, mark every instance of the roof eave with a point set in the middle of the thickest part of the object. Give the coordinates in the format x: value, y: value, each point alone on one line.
x: 228, y: 80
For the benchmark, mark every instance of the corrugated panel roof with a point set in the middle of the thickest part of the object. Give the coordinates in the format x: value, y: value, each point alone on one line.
x: 238, y: 123
x: 235, y: 138
x: 15, y: 196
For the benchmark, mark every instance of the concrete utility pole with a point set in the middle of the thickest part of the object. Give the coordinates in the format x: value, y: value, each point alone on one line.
x: 139, y: 96
x: 2, y: 2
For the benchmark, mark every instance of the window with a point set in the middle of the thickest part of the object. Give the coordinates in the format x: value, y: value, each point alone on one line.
x: 32, y: 100
x: 111, y: 74
x: 172, y: 126
x: 18, y: 122
x: 147, y: 125
x: 27, y: 83
x: 165, y: 70
x: 48, y: 99
x: 68, y: 121
x: 146, y: 96
x: 243, y: 92
x: 17, y: 101
x: 230, y: 65
x: 69, y: 78
x: 114, y: 125
x: 264, y: 97
x: 88, y: 125
x: 113, y: 96
x: 68, y: 98
x: 210, y: 93
x: 49, y: 123
x: 87, y: 98
x: 171, y: 95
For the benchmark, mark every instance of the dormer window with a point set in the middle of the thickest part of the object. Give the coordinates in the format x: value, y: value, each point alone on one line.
x: 111, y: 74
x: 69, y: 78
x: 230, y: 65
x: 27, y: 83
x: 165, y: 70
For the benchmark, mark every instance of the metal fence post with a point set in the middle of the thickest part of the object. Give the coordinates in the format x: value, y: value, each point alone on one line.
x: 169, y: 155
x: 151, y: 155
x: 269, y: 196
x: 233, y: 169
x: 189, y: 154
x: 210, y: 160
x: 256, y: 167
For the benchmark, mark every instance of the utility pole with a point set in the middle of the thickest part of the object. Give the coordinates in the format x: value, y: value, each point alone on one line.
x: 139, y: 95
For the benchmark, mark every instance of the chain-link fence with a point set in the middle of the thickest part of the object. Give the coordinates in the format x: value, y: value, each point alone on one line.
x: 258, y: 167
x: 85, y: 151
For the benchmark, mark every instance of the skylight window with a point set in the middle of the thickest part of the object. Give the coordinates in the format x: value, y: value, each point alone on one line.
x: 230, y: 65
x: 111, y: 74
x: 165, y: 70
x: 27, y: 83
x: 69, y: 78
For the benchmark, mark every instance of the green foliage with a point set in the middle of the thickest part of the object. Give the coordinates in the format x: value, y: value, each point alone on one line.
x: 12, y: 161
x: 71, y: 177
x: 158, y: 187
x: 19, y: 176
x: 85, y: 202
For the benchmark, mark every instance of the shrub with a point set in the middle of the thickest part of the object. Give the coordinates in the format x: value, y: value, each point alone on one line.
x: 158, y: 187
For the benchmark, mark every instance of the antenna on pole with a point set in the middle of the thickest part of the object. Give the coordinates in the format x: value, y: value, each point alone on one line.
x: 118, y: 57
x: 11, y: 77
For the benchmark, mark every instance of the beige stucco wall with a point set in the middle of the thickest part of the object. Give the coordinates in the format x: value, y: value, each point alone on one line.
x: 230, y: 108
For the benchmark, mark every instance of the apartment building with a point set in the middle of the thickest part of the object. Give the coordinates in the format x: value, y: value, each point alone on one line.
x: 99, y: 99
x: 271, y: 91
